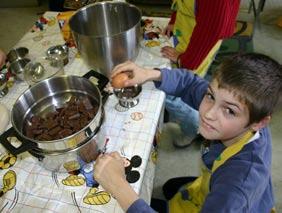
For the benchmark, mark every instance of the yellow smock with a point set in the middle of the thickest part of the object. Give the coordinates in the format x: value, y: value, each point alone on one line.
x: 199, y: 189
x: 185, y: 16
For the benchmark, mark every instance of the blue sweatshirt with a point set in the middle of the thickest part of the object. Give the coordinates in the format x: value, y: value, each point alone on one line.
x: 243, y: 183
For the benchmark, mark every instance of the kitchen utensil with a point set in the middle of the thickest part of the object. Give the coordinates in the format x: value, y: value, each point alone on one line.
x: 71, y: 160
x: 43, y: 68
x: 106, y: 34
x: 3, y: 84
x: 59, y: 51
x: 16, y: 54
x: 129, y: 96
x: 43, y: 97
x: 52, y: 93
x: 17, y: 68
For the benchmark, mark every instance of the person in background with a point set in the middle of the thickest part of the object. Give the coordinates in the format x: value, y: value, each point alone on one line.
x: 2, y: 58
x: 235, y: 109
x: 198, y: 27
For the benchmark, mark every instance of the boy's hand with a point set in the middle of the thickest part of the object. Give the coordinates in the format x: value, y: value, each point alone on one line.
x: 170, y: 53
x: 168, y: 30
x: 109, y: 171
x: 139, y: 75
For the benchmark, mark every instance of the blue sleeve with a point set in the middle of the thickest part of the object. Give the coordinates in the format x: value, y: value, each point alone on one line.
x: 243, y: 182
x: 183, y: 83
x: 225, y: 198
x: 140, y: 206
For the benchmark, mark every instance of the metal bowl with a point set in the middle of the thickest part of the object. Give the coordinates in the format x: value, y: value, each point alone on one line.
x: 42, y: 68
x: 17, y: 68
x: 59, y: 51
x: 129, y: 96
x: 16, y: 54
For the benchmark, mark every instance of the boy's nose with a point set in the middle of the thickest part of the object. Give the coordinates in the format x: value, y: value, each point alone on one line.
x: 210, y: 113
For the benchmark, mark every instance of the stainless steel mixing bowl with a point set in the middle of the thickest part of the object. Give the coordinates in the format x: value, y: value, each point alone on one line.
x: 42, y: 68
x: 128, y: 97
x: 16, y: 54
x: 17, y: 68
x: 59, y: 51
x: 106, y: 34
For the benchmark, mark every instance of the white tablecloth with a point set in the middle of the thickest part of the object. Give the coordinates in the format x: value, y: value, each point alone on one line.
x: 36, y: 189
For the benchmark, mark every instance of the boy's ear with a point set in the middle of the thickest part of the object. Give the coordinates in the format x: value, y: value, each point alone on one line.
x: 262, y: 123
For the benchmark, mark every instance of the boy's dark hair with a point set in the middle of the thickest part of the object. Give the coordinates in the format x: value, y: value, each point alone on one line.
x: 255, y: 79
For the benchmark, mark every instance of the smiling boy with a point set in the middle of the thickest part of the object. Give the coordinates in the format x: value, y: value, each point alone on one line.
x: 235, y: 109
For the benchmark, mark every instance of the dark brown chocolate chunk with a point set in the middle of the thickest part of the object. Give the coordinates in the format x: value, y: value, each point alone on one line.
x: 37, y: 131
x: 65, y: 132
x: 55, y: 131
x: 87, y: 104
x: 44, y: 137
x: 75, y: 116
x: 64, y: 121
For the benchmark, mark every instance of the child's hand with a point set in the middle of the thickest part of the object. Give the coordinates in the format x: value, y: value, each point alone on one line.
x: 139, y: 75
x: 168, y: 30
x: 2, y: 58
x: 170, y: 53
x: 109, y: 171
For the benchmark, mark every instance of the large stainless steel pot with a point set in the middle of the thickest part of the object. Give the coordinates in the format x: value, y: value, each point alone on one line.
x: 106, y: 34
x: 50, y: 94
x: 60, y: 161
x: 66, y: 154
x: 68, y: 160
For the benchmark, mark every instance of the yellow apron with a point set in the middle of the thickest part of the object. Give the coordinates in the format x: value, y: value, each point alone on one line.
x: 193, y: 197
x: 183, y: 29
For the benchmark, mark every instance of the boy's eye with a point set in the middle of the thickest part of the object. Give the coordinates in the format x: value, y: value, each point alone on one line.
x: 229, y: 111
x: 209, y: 95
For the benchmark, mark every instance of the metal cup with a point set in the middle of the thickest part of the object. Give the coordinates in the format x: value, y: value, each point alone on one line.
x: 129, y: 96
x: 16, y: 54
x: 43, y: 68
x: 17, y: 68
x: 59, y: 52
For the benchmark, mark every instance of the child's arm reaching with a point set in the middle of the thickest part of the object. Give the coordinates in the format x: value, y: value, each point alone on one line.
x: 139, y: 75
x: 110, y: 173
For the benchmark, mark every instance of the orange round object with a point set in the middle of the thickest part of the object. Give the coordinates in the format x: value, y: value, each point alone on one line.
x: 119, y: 79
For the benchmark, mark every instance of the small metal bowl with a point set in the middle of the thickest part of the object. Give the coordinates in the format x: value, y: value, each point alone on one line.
x: 59, y: 51
x: 16, y: 54
x: 129, y: 96
x: 17, y: 68
x: 42, y: 68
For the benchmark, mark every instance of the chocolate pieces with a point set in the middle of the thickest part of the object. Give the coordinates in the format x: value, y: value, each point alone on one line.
x: 63, y: 122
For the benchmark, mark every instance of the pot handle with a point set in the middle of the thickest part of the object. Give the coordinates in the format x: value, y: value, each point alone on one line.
x: 101, y: 84
x: 25, y: 144
x: 102, y: 80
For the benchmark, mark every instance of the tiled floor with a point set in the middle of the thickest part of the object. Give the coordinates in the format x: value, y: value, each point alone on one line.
x: 14, y: 22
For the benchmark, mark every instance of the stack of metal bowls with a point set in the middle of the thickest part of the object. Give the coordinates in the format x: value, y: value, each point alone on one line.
x: 18, y: 59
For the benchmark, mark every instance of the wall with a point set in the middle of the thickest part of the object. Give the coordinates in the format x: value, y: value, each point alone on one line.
x: 18, y: 3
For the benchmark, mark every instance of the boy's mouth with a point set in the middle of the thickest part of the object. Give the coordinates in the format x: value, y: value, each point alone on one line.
x: 206, y: 126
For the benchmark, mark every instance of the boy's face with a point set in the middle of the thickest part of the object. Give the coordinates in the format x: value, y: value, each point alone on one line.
x: 222, y: 116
